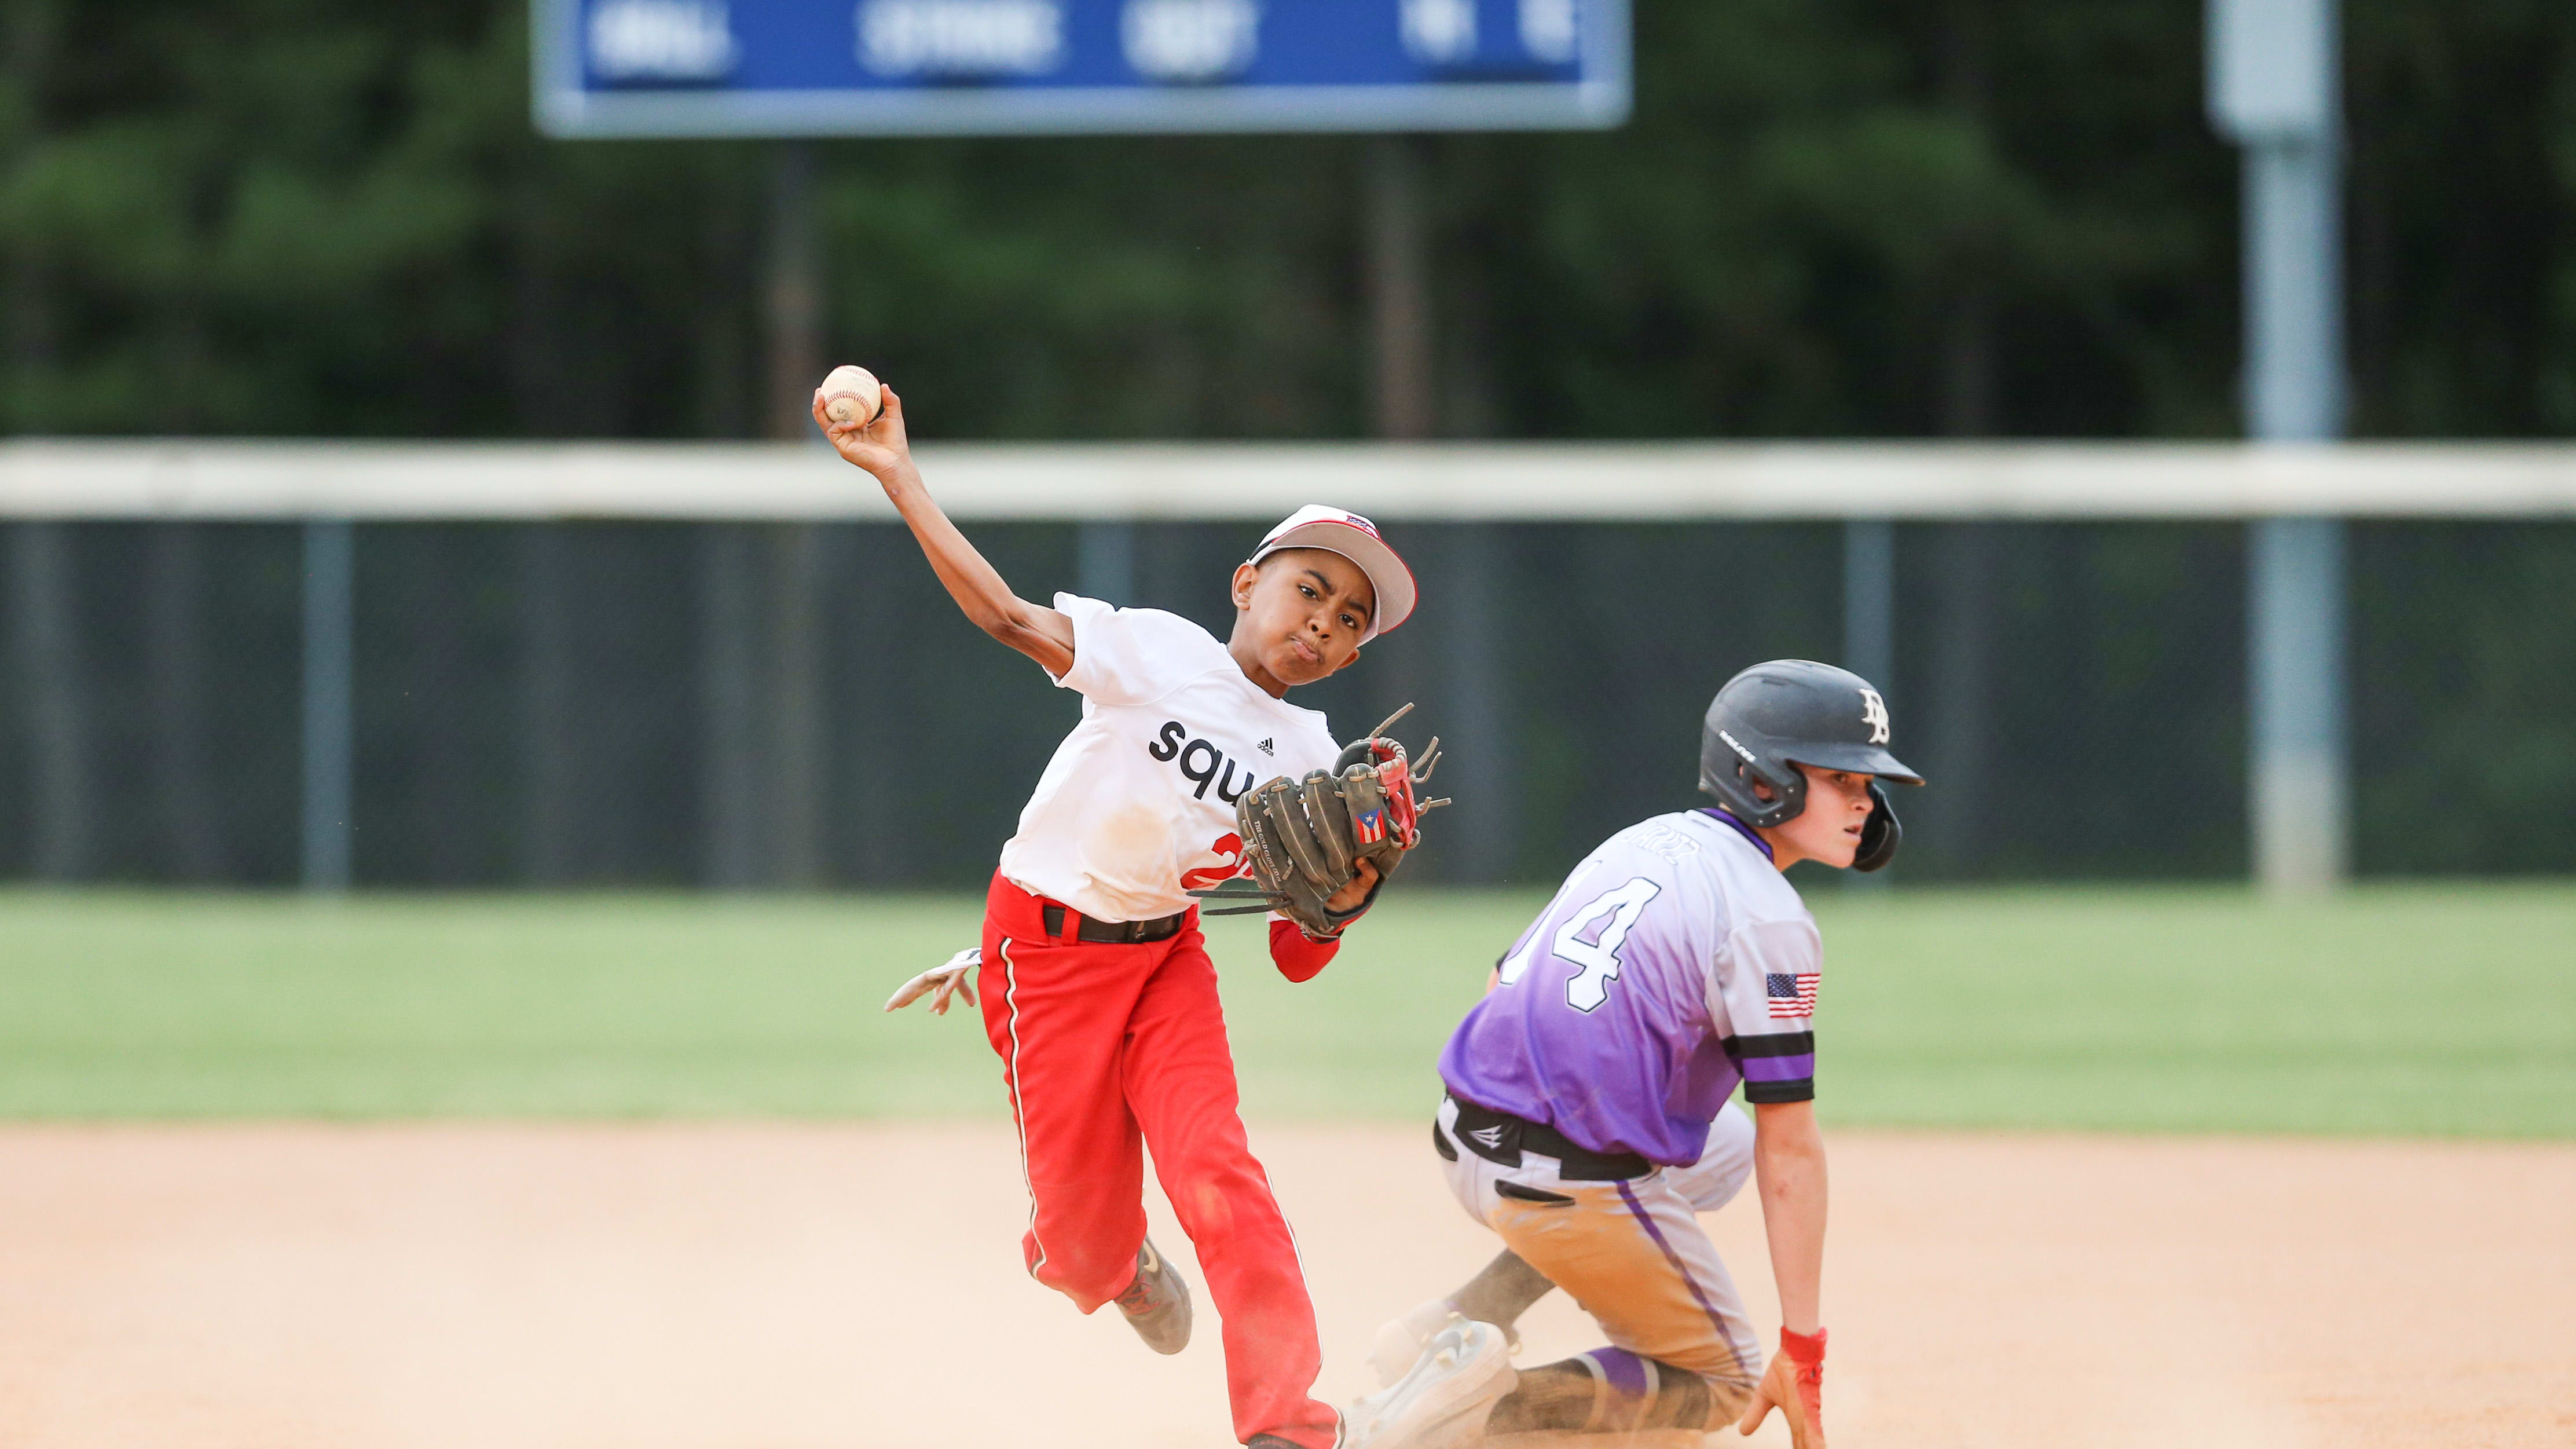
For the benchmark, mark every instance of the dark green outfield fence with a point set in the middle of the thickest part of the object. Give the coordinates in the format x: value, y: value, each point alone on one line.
x: 799, y: 705
x: 1989, y: 218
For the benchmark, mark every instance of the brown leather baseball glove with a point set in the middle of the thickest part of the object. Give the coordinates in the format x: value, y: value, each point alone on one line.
x: 1303, y: 840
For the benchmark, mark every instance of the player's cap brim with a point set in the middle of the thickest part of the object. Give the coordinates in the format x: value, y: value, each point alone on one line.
x: 1354, y: 538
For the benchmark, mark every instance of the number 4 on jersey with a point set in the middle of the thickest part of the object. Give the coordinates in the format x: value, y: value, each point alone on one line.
x: 1606, y: 919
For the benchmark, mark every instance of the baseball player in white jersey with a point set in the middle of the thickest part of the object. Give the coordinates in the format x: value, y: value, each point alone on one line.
x: 1588, y: 1119
x: 1098, y: 993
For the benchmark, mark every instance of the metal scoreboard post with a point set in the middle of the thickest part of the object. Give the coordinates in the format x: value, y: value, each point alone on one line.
x: 2276, y: 88
x: 810, y: 68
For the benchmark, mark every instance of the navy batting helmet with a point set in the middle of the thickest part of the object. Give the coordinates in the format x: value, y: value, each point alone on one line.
x: 1774, y: 717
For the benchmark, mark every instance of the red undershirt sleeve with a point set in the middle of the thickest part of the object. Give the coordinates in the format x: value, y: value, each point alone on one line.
x: 1298, y: 959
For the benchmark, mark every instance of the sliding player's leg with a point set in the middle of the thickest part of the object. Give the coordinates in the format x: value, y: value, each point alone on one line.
x: 1508, y: 1287
x: 1682, y: 1351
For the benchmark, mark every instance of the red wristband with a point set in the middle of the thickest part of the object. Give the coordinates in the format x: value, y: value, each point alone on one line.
x: 1804, y: 1349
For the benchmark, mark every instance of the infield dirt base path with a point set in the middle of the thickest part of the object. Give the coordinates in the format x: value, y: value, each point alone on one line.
x: 762, y: 1286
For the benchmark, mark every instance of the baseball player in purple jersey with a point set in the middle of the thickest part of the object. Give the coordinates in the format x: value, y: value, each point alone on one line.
x: 1588, y: 1120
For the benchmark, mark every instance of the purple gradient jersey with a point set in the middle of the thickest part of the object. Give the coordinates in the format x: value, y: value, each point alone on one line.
x: 1675, y: 962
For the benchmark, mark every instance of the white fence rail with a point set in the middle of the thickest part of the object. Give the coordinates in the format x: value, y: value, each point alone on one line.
x: 2298, y: 769
x: 45, y: 478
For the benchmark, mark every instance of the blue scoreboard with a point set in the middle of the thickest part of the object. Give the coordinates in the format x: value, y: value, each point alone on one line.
x: 1021, y: 67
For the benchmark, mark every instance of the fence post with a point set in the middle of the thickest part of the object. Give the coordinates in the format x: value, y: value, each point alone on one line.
x: 799, y: 765
x: 2275, y: 88
x: 548, y: 780
x: 47, y: 625
x: 736, y: 767
x: 329, y: 604
x: 1105, y: 561
x: 1475, y: 677
x: 174, y: 649
x: 1869, y: 624
x: 2295, y: 652
x: 1869, y: 600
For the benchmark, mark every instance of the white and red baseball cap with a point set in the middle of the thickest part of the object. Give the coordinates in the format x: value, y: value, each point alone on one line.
x: 1354, y: 538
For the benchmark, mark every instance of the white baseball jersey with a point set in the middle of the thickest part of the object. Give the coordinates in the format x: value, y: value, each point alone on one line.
x: 1137, y: 807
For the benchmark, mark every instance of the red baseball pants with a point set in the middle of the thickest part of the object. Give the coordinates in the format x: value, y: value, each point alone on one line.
x: 1106, y: 1045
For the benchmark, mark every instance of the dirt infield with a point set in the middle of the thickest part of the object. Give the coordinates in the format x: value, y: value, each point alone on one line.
x: 774, y: 1286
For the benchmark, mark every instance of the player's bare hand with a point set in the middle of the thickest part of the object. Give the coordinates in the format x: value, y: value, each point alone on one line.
x: 878, y: 445
x: 953, y: 979
x: 1349, y: 897
x: 1795, y: 1385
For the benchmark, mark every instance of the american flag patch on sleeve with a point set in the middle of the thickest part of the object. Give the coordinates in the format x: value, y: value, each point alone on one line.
x: 1791, y: 995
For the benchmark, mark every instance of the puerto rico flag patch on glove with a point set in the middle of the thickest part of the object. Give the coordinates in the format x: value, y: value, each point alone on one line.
x: 1791, y: 995
x: 1369, y: 826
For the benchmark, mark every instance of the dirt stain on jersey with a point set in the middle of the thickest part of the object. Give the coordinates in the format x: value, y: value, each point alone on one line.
x: 1128, y: 856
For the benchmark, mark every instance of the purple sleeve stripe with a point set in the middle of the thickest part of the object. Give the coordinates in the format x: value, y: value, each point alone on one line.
x: 1780, y: 1069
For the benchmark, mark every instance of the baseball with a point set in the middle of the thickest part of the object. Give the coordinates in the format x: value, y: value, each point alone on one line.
x: 850, y: 395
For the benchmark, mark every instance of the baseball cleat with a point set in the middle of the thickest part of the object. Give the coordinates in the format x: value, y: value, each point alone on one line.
x: 1157, y: 1303
x: 1402, y: 1340
x: 1443, y: 1400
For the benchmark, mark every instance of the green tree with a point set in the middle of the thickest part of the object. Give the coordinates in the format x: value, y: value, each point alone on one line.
x: 1830, y: 217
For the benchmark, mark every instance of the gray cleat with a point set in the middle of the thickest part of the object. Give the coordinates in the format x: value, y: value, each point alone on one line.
x: 1157, y: 1304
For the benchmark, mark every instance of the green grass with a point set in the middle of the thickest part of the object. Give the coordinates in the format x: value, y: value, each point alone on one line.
x: 2439, y: 1010
x: 2446, y: 1010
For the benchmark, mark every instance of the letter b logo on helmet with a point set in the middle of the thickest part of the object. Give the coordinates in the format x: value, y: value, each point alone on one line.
x: 1873, y: 712
x: 1774, y: 717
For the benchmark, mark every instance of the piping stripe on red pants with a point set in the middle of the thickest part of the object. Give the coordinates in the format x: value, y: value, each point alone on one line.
x: 1109, y: 1049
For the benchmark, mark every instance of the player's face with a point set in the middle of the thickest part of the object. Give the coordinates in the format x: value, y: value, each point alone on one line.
x: 1303, y: 611
x: 1828, y: 830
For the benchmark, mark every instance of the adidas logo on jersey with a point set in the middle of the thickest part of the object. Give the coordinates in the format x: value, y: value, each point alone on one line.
x: 1268, y: 747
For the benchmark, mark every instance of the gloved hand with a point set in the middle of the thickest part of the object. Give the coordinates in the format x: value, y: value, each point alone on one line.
x: 1796, y: 1383
x: 1317, y: 849
x: 949, y: 980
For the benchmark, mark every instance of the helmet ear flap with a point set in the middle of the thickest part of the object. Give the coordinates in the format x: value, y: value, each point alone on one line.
x: 1788, y: 791
x: 1880, y: 834
x: 1735, y: 776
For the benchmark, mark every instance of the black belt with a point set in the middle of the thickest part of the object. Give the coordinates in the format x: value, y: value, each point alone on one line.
x: 1501, y: 1138
x: 1114, y: 933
